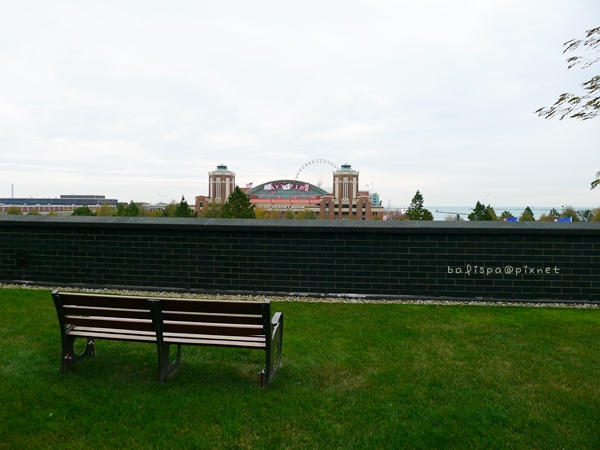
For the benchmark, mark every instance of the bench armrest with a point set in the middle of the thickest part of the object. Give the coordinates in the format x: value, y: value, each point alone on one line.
x: 276, y: 319
x: 274, y: 343
x: 277, y: 326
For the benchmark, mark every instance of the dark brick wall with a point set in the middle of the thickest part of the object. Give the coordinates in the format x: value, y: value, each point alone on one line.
x: 438, y: 259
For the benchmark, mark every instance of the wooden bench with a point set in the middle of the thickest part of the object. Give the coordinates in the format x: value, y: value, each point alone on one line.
x: 165, y: 322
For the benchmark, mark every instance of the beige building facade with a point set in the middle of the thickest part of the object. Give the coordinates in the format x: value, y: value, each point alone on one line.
x: 221, y: 183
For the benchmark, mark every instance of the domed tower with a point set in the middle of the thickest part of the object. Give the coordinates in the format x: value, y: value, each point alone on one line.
x: 345, y: 184
x: 347, y: 201
x: 221, y: 183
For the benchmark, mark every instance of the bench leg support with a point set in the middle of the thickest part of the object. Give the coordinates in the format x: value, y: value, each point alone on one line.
x: 70, y: 357
x: 165, y: 365
x: 274, y: 348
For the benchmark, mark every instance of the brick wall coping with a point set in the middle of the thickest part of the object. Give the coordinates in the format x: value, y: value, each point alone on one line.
x: 323, y: 226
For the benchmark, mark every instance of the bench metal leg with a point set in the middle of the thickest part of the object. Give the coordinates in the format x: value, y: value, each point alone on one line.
x: 70, y: 357
x: 165, y: 365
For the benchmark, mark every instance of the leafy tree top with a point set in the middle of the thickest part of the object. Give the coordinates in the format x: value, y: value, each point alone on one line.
x: 106, y: 210
x: 83, y: 211
x: 527, y: 215
x: 14, y: 210
x: 569, y: 211
x: 130, y: 210
x: 169, y: 210
x: 416, y: 211
x: 262, y: 213
x: 212, y: 211
x: 481, y: 212
x: 238, y: 206
x: 550, y: 217
x: 307, y: 215
x: 183, y: 209
x: 530, y: 212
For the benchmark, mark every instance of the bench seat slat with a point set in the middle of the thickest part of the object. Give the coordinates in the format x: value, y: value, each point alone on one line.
x: 113, y: 336
x: 79, y: 329
x: 212, y: 328
x: 169, y: 340
x: 215, y: 343
x: 113, y: 330
x: 212, y: 317
x: 216, y: 337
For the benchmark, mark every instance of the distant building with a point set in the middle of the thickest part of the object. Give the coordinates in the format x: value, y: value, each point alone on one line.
x: 286, y: 195
x: 346, y: 201
x: 64, y: 204
x: 221, y: 183
x: 375, y: 199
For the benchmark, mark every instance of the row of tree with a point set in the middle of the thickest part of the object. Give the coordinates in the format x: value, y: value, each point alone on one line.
x: 481, y: 212
x: 133, y: 209
x: 16, y: 211
x: 238, y: 205
x: 416, y: 211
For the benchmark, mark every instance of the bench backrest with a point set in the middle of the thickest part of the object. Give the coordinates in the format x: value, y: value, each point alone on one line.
x: 103, y: 311
x: 188, y: 316
x: 214, y: 317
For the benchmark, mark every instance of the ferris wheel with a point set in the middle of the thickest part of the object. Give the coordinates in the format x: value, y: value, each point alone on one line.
x: 318, y: 172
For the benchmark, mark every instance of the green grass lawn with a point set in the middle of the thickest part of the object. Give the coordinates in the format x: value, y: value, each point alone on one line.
x: 353, y: 376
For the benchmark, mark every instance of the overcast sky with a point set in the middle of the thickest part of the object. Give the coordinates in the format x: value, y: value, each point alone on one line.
x: 140, y: 100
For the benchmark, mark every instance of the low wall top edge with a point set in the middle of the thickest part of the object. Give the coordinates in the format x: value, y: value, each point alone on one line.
x: 372, y: 226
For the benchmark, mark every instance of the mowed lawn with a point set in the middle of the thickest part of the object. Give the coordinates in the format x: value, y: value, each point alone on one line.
x: 353, y: 376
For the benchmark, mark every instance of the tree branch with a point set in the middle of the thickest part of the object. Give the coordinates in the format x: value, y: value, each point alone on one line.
x: 582, y: 107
